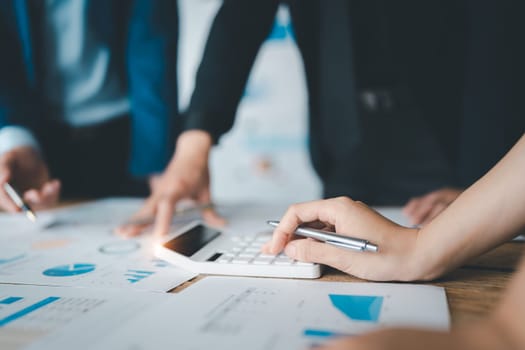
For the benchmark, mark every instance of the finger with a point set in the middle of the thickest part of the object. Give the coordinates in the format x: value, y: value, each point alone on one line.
x: 295, y: 215
x: 318, y: 225
x: 6, y: 202
x: 139, y: 221
x: 424, y: 208
x: 309, y: 250
x: 438, y: 208
x: 164, y: 216
x: 412, y: 204
x: 49, y: 194
x: 33, y: 197
x: 360, y: 264
x: 213, y: 218
x: 209, y: 214
x: 322, y: 210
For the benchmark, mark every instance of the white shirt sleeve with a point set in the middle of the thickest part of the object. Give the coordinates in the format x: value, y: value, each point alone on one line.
x: 12, y: 137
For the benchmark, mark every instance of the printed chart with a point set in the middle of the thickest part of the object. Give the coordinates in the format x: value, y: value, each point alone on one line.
x: 309, y: 313
x: 80, y: 250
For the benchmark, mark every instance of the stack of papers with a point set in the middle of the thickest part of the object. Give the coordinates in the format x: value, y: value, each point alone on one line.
x: 69, y: 282
x: 217, y: 313
x: 76, y: 247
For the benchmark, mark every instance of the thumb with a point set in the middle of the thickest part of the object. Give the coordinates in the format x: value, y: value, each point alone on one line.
x: 352, y: 262
x: 310, y: 250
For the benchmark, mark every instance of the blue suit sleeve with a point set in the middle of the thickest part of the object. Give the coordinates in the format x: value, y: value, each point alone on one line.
x: 152, y: 78
x: 17, y: 101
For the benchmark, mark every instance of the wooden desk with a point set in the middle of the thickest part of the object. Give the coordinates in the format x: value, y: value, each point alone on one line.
x: 472, y: 290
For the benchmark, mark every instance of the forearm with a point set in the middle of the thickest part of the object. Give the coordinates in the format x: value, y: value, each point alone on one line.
x: 487, y: 214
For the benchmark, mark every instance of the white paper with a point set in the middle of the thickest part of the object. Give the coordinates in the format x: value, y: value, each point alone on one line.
x: 67, y: 318
x: 395, y: 214
x: 80, y: 250
x: 251, y: 313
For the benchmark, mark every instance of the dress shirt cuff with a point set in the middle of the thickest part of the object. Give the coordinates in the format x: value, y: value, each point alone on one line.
x: 12, y: 137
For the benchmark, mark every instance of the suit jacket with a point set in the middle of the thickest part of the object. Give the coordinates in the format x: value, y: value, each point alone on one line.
x: 142, y: 36
x: 416, y: 49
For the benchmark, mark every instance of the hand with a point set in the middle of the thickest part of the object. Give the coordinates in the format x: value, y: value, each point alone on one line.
x: 186, y: 177
x: 24, y: 168
x: 421, y: 210
x: 395, y: 259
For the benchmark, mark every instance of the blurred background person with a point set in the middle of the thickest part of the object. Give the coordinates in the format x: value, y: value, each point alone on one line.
x: 88, y: 96
x: 392, y: 90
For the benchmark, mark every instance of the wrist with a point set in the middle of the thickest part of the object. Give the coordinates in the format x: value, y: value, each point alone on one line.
x: 424, y: 264
x: 192, y: 150
x: 193, y: 142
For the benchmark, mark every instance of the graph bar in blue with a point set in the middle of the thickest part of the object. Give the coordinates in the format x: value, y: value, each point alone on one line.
x: 15, y: 258
x: 6, y: 320
x: 321, y: 333
x: 358, y: 307
x: 10, y: 300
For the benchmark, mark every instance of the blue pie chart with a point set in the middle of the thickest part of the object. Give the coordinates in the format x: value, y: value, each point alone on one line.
x: 69, y: 270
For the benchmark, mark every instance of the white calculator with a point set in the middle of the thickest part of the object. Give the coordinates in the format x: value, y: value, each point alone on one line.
x: 203, y: 249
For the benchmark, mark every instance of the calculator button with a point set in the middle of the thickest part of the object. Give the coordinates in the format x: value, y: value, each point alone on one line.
x: 241, y: 260
x: 252, y: 249
x: 236, y: 249
x: 302, y: 263
x: 263, y: 239
x: 283, y: 260
x: 246, y: 255
x: 267, y: 256
x: 224, y: 260
x: 262, y: 261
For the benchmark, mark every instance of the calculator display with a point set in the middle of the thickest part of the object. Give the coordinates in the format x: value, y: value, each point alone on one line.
x: 192, y: 241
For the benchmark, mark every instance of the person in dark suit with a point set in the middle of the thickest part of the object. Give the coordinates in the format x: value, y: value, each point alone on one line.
x: 386, y: 92
x: 88, y: 95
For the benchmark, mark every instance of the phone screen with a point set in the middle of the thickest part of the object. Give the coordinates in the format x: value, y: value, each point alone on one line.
x: 191, y: 241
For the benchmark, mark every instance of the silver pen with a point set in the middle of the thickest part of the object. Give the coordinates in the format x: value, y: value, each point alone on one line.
x: 333, y: 238
x: 15, y: 197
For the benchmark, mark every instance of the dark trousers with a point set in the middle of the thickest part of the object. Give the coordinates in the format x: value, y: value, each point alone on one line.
x: 91, y: 161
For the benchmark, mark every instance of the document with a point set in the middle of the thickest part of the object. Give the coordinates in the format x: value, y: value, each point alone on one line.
x: 395, y: 214
x: 79, y: 249
x: 259, y: 313
x: 68, y: 318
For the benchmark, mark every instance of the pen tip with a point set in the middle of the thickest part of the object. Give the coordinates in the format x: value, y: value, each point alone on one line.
x: 31, y: 216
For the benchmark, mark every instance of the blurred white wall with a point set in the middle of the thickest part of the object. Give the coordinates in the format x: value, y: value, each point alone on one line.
x: 264, y: 157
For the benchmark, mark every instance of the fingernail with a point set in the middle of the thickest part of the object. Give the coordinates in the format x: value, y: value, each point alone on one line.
x: 290, y: 250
